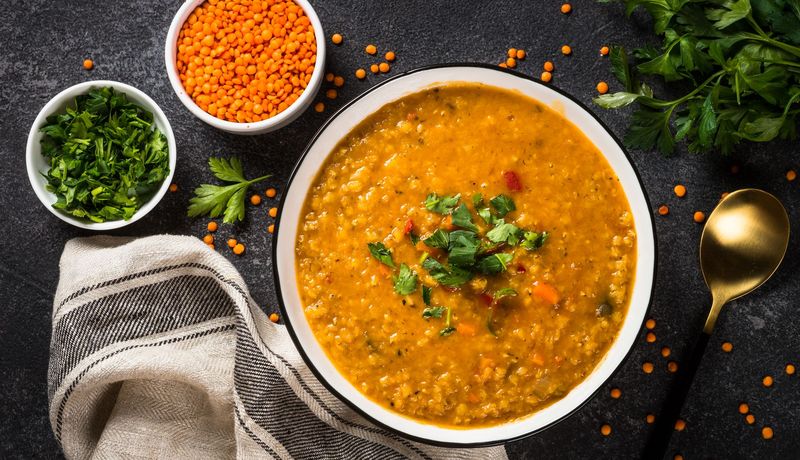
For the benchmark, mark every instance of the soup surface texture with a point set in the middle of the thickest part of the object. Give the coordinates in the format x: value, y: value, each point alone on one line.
x: 484, y: 302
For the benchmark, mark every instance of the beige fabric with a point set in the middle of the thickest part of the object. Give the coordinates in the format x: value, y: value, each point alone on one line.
x: 159, y: 352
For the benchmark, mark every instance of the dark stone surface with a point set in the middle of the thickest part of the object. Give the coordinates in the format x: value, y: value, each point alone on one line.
x: 44, y: 43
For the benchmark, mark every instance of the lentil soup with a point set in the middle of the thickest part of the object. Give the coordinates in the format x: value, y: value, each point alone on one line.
x: 466, y: 256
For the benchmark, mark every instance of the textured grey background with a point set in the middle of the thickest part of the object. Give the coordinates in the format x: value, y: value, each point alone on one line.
x: 44, y: 43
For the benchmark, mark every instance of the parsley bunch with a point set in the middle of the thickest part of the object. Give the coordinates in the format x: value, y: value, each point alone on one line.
x: 740, y: 60
x: 106, y: 156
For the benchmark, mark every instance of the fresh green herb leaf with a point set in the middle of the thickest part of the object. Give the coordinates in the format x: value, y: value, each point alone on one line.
x: 226, y: 200
x: 433, y: 312
x: 382, y: 253
x: 447, y: 331
x: 441, y: 204
x: 463, y: 248
x: 413, y: 237
x: 446, y: 276
x: 503, y: 205
x: 439, y: 239
x: 495, y: 263
x: 486, y: 215
x: 504, y: 233
x: 504, y: 292
x: 405, y: 282
x: 462, y: 218
x: 426, y: 295
x: 448, y: 328
x: 477, y: 201
x: 533, y: 240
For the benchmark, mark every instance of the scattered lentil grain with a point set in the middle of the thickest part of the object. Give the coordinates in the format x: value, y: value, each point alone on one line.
x: 374, y: 68
x: 767, y: 433
x: 647, y: 367
x: 750, y: 419
x: 331, y: 94
x: 208, y: 239
x: 566, y: 50
x: 361, y: 74
x: 511, y: 63
x: 650, y: 419
x: 337, y: 39
x: 371, y: 49
x: 274, y: 317
x: 665, y: 352
x: 271, y: 192
x: 88, y: 64
x: 390, y: 56
x: 238, y: 249
x: 744, y: 408
x: 319, y: 107
x: 605, y: 430
x: 650, y: 323
x: 791, y: 175
x: 790, y: 369
x: 271, y: 228
x: 212, y: 226
x: 548, y: 66
x: 566, y: 8
x: 727, y: 347
x: 521, y: 54
x: 384, y: 67
x: 232, y: 243
x: 767, y: 381
x: 663, y: 210
x: 173, y: 188
x: 604, y: 51
x: 699, y: 217
x: 546, y: 77
x: 255, y: 200
x: 616, y: 393
x: 680, y: 425
x: 273, y: 212
x: 650, y: 337
x: 602, y: 87
x: 338, y: 81
x: 672, y: 366
x: 680, y: 191
x: 329, y: 77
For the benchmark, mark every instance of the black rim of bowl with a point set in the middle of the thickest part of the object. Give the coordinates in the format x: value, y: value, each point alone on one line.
x: 282, y: 304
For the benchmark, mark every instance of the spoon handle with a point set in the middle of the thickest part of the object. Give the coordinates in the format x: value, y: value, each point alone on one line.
x: 658, y: 442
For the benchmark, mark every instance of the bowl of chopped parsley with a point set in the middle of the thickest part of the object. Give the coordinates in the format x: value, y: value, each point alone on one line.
x: 100, y: 155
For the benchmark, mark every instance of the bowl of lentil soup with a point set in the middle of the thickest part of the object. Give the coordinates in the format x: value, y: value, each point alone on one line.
x: 245, y: 67
x: 464, y: 255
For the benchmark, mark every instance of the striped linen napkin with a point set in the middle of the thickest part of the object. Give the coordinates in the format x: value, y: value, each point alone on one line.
x: 158, y: 351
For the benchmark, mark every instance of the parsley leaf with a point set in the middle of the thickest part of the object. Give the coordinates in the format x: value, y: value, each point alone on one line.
x: 448, y: 328
x: 495, y: 263
x: 227, y: 200
x: 533, y: 240
x: 503, y: 205
x: 382, y: 253
x: 446, y: 276
x: 439, y: 239
x: 413, y: 237
x: 406, y: 281
x: 504, y: 292
x: 441, y: 204
x: 462, y: 218
x: 504, y: 233
x: 426, y: 295
x: 433, y: 312
x: 463, y: 248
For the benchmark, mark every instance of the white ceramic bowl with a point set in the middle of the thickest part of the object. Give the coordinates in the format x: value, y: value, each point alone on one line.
x: 260, y: 127
x: 38, y: 164
x: 314, y: 158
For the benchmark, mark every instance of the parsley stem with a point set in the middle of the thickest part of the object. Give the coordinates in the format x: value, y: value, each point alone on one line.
x: 259, y: 179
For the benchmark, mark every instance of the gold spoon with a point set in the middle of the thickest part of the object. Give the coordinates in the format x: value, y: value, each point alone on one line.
x: 743, y: 243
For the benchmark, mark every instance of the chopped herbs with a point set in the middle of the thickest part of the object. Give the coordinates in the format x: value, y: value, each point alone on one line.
x: 382, y: 253
x: 477, y: 201
x: 503, y: 205
x: 441, y: 204
x: 406, y: 281
x: 413, y: 237
x: 433, y: 312
x: 463, y: 218
x: 426, y: 295
x: 463, y: 248
x: 106, y: 156
x: 532, y: 240
x: 214, y: 200
x: 448, y: 328
x: 504, y: 233
x: 495, y: 263
x: 452, y: 276
x: 439, y: 239
x: 505, y: 292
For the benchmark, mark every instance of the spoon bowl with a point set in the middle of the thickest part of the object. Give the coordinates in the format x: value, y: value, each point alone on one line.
x: 743, y: 243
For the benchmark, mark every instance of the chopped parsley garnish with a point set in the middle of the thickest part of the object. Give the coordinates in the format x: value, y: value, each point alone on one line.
x: 533, y: 240
x: 486, y: 215
x: 426, y: 295
x: 452, y: 276
x: 503, y: 205
x: 504, y: 233
x: 463, y: 218
x: 413, y: 237
x: 382, y: 253
x: 495, y: 263
x: 439, y: 239
x: 477, y: 201
x: 441, y: 204
x: 505, y: 292
x: 406, y: 281
x: 448, y: 328
x: 433, y: 312
x: 463, y: 248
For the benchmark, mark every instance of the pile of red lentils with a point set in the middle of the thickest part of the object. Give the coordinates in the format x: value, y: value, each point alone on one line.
x: 246, y: 61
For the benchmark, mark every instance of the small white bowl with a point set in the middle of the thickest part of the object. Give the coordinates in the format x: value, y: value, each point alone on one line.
x: 290, y: 221
x: 37, y: 164
x: 260, y: 127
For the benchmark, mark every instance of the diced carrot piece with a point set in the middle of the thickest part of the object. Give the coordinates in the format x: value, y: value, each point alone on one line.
x: 512, y: 181
x: 465, y: 329
x: 547, y: 293
x: 408, y: 227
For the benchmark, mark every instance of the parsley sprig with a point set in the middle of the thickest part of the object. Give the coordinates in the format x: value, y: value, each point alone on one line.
x: 740, y: 59
x: 227, y: 200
